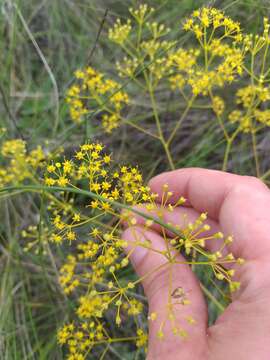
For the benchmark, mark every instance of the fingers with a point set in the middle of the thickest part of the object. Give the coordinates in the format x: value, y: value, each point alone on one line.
x: 206, y: 190
x: 168, y: 287
x: 240, y: 204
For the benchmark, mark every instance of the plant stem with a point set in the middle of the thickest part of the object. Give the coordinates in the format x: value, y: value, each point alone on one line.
x: 226, y: 155
x: 41, y: 188
x: 212, y: 298
x: 179, y: 122
x: 265, y: 175
x: 230, y: 141
x: 139, y: 128
x: 256, y: 158
x: 169, y: 156
x: 219, y: 119
x: 160, y: 132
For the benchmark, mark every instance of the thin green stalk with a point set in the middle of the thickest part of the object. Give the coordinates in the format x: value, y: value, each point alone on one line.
x: 226, y: 155
x: 169, y: 156
x: 226, y: 135
x: 255, y: 152
x: 264, y: 58
x: 205, y: 49
x: 212, y: 298
x: 154, y: 106
x: 252, y: 69
x: 179, y: 122
x: 160, y: 132
x: 230, y: 141
x: 139, y: 128
x: 47, y: 67
x: 265, y: 175
x: 41, y: 188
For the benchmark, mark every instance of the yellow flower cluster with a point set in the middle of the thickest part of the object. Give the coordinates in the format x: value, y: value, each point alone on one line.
x: 66, y: 278
x: 142, y: 13
x: 256, y: 43
x: 203, y: 81
x: 156, y: 53
x: 93, y: 306
x: 248, y: 95
x: 80, y: 339
x: 205, y: 18
x: 218, y: 105
x: 148, y: 55
x: 92, y: 270
x: 119, y: 33
x: 262, y: 116
x: 93, y: 91
x: 92, y: 165
x: 251, y: 116
x: 181, y: 64
x: 253, y: 99
x: 127, y: 67
x: 219, y: 38
x: 18, y: 164
x: 183, y: 60
x: 35, y: 240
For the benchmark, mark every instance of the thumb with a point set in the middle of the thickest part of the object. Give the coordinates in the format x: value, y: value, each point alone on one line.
x: 177, y: 310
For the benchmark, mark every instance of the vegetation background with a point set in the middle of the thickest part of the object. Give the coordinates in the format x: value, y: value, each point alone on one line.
x: 42, y: 42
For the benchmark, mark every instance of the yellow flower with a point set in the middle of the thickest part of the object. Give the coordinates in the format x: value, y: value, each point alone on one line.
x: 67, y: 166
x: 50, y: 168
x: 49, y: 181
x: 71, y: 235
x: 56, y: 238
x: 76, y: 217
x: 120, y: 32
x: 218, y: 105
x: 62, y: 181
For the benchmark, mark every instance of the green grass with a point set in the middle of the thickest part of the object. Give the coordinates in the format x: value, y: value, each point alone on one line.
x: 41, y: 44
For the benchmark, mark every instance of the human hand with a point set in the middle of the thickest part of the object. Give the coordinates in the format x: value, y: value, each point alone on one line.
x: 236, y: 205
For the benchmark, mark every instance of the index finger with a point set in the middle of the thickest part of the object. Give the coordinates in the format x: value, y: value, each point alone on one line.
x: 241, y: 204
x: 206, y: 190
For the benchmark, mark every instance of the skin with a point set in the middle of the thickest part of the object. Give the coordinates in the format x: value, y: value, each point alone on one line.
x: 238, y: 206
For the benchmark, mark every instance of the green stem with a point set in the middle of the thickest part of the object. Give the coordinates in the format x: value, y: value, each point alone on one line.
x: 212, y: 298
x: 179, y: 122
x: 256, y: 158
x: 160, y: 132
x: 156, y: 116
x: 205, y: 49
x: 139, y: 128
x: 226, y: 155
x: 265, y: 175
x: 169, y: 156
x: 219, y: 119
x: 40, y: 188
x: 230, y: 141
x: 264, y: 58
